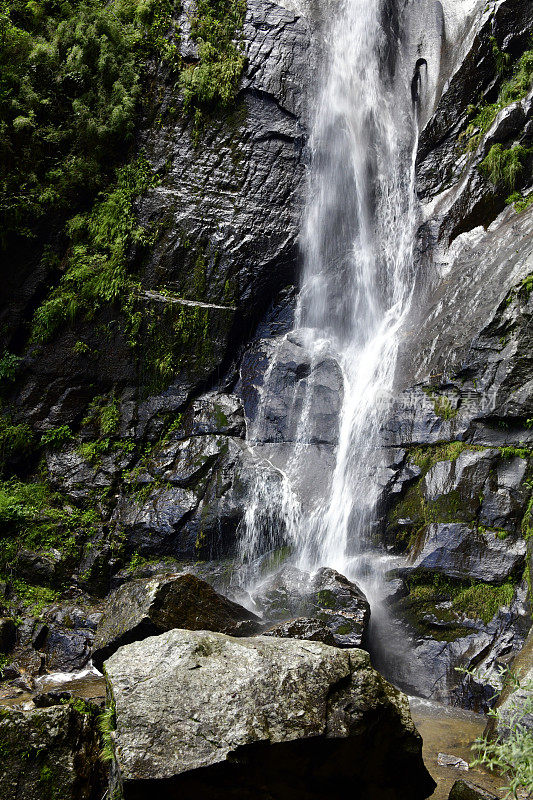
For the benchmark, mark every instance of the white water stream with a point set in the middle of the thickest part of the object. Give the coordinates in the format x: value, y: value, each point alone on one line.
x: 356, y: 288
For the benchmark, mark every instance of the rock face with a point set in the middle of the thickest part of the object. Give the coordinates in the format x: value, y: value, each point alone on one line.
x: 143, y: 608
x: 327, y: 597
x: 242, y: 718
x: 50, y: 753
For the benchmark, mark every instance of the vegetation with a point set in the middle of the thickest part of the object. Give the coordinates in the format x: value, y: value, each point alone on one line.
x: 510, y: 754
x: 514, y: 88
x: 475, y: 599
x: 97, y: 267
x: 106, y: 725
x: 33, y: 516
x: 214, y: 80
x: 502, y: 166
x: 69, y: 89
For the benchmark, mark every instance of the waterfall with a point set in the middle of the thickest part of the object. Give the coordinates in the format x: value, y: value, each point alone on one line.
x: 356, y: 288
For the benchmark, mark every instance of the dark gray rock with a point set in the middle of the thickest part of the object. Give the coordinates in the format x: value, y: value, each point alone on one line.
x: 293, y: 378
x: 146, y: 607
x: 465, y: 553
x: 465, y: 790
x: 302, y: 717
x: 312, y: 630
x: 8, y: 634
x: 42, y: 568
x: 326, y: 596
x: 50, y: 752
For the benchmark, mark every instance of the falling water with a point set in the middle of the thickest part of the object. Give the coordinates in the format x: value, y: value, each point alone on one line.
x: 356, y: 288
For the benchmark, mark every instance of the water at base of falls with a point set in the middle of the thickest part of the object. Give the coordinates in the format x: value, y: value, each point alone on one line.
x: 355, y: 294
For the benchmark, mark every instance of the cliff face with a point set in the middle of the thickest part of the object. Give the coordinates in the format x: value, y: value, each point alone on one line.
x: 138, y: 415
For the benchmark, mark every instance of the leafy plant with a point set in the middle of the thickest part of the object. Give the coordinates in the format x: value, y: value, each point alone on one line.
x: 57, y: 437
x: 512, y: 753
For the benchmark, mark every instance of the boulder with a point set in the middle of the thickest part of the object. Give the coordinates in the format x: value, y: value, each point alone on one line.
x: 464, y: 790
x: 326, y: 596
x: 200, y: 714
x: 51, y: 753
x: 144, y: 608
x: 466, y: 553
x: 312, y: 630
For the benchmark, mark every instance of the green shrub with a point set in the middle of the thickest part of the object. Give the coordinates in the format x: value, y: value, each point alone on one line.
x: 512, y: 754
x: 504, y: 165
x: 214, y: 80
x: 9, y: 366
x: 15, y: 440
x: 57, y: 437
x: 514, y: 88
x: 97, y: 267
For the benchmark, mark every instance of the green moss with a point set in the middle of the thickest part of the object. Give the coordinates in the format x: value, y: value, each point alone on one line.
x: 442, y: 405
x: 41, y: 519
x: 325, y: 598
x: 520, y: 202
x: 477, y: 600
x: 483, y: 601
x: 107, y: 724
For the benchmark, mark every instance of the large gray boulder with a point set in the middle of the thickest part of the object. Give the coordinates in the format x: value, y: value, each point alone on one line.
x: 200, y: 714
x: 146, y: 607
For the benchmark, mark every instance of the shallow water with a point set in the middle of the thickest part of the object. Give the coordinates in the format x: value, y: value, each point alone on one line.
x: 451, y: 731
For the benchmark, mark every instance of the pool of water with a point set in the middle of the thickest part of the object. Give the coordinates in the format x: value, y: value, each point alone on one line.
x: 451, y: 731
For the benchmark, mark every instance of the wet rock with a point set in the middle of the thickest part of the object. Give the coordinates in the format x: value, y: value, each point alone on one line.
x: 305, y: 719
x: 464, y: 790
x: 465, y: 553
x: 42, y: 568
x: 294, y: 378
x: 327, y: 596
x: 514, y: 703
x: 69, y: 638
x: 144, y: 608
x: 445, y: 760
x: 302, y: 628
x: 221, y: 414
x: 8, y: 634
x: 48, y: 699
x: 50, y: 752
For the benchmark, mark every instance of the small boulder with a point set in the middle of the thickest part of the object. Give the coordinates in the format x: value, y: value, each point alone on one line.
x: 203, y: 715
x: 326, y: 596
x: 313, y: 630
x: 147, y: 607
x: 464, y: 790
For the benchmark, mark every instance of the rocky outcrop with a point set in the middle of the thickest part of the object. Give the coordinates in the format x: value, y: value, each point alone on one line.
x: 143, y: 608
x: 313, y: 630
x: 51, y: 753
x: 201, y: 714
x: 326, y: 596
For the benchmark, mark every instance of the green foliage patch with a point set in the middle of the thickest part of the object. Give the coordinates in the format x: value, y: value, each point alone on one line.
x: 514, y: 88
x: 70, y: 82
x: 35, y: 517
x: 97, y: 266
x: 502, y: 166
x: 213, y: 82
